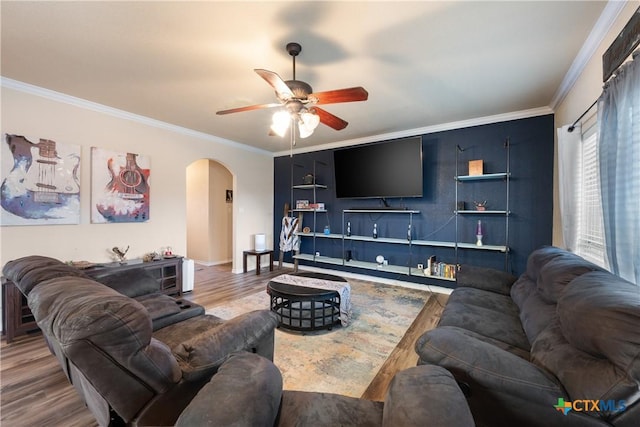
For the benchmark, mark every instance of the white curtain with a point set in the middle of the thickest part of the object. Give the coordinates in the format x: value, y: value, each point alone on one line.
x: 569, y: 151
x: 619, y: 153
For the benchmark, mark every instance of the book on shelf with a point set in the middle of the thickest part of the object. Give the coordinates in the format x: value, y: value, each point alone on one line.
x: 440, y: 269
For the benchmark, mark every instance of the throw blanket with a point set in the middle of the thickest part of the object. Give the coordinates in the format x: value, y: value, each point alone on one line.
x: 289, y: 239
x: 343, y: 289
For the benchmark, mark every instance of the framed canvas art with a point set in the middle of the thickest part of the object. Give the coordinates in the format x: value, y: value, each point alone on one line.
x: 40, y: 182
x: 119, y: 187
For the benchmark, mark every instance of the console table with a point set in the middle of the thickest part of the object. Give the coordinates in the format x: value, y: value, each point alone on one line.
x: 17, y: 318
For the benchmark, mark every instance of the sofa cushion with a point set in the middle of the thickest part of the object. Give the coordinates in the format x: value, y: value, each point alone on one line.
x: 165, y: 310
x: 301, y: 408
x: 246, y: 391
x: 556, y: 274
x: 425, y: 395
x: 473, y: 359
x: 27, y: 272
x: 538, y: 258
x: 107, y: 337
x: 600, y: 315
x: 488, y: 279
x: 597, y: 331
x: 131, y: 283
x: 582, y: 375
x: 522, y: 289
x: 536, y: 314
x: 498, y: 323
x: 484, y: 299
x: 201, y: 353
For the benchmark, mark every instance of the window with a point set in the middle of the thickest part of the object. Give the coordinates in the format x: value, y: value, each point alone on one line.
x: 590, y: 231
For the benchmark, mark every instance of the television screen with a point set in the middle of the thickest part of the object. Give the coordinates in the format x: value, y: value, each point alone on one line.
x: 381, y: 170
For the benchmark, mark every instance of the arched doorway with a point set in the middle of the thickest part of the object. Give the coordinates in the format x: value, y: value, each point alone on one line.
x: 209, y: 212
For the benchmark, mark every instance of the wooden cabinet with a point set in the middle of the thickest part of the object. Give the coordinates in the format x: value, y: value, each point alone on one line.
x: 16, y: 315
x: 167, y: 271
x: 17, y: 318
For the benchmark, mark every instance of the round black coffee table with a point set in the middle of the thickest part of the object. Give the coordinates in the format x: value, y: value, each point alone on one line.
x: 302, y: 308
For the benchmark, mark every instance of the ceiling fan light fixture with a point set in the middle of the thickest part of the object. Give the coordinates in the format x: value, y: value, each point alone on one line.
x: 308, y: 123
x: 304, y: 131
x: 280, y: 122
x: 310, y: 120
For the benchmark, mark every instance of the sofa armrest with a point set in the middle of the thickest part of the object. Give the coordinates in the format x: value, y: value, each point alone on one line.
x: 205, y: 352
x: 425, y: 395
x: 488, y: 279
x: 486, y: 366
x: 246, y: 391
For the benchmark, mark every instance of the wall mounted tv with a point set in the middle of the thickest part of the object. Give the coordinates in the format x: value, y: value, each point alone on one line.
x: 389, y: 169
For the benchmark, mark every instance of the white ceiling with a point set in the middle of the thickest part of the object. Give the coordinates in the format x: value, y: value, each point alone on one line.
x: 423, y: 63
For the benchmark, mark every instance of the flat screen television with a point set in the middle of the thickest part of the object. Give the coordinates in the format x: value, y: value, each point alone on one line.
x: 389, y: 169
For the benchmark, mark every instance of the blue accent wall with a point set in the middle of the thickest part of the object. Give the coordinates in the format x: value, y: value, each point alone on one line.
x: 530, y: 202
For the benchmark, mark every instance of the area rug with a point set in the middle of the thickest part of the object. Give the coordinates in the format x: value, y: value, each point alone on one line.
x: 346, y: 359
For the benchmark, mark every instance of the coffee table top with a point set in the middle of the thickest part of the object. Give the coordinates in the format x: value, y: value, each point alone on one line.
x: 296, y: 290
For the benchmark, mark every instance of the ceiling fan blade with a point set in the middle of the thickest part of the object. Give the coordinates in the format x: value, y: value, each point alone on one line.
x: 329, y: 119
x: 276, y: 82
x: 248, y: 108
x: 340, y: 95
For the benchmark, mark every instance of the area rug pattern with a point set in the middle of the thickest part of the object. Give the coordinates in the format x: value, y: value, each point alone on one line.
x: 346, y: 359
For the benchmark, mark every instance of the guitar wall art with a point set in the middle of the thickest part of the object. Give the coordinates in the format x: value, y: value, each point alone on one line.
x: 119, y: 187
x: 43, y: 182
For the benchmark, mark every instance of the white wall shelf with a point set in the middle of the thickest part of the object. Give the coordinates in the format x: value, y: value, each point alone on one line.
x: 475, y: 212
x: 484, y: 177
x: 477, y: 179
x: 408, y: 267
x: 309, y: 187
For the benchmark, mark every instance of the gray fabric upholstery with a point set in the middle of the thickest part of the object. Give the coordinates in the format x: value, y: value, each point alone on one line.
x: 425, y: 395
x: 29, y: 271
x: 105, y: 342
x: 598, y: 329
x: 165, y: 310
x: 486, y: 313
x: 247, y: 391
x: 107, y: 336
x: 485, y: 278
x: 580, y: 340
x: 310, y: 409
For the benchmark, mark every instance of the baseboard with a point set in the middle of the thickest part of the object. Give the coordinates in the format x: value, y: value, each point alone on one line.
x: 211, y: 263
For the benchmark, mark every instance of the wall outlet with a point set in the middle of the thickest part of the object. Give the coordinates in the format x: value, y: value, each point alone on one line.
x: 420, y: 267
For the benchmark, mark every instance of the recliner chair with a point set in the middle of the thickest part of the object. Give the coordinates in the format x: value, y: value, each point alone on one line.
x: 126, y: 372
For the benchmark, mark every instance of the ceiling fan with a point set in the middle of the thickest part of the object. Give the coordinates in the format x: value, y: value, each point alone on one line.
x: 300, y: 102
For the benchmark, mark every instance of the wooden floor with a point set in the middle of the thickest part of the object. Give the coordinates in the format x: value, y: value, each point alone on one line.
x: 35, y: 392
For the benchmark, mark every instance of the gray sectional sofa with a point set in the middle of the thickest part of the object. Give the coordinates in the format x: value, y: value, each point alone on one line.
x: 137, y: 360
x: 133, y: 354
x: 247, y: 392
x: 559, y: 345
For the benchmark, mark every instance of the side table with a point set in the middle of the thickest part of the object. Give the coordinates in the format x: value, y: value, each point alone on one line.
x: 258, y: 255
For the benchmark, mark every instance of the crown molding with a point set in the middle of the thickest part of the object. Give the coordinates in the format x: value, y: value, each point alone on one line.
x: 516, y: 115
x: 121, y: 114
